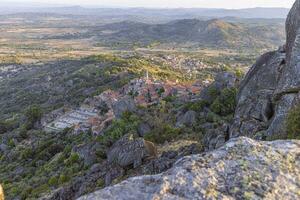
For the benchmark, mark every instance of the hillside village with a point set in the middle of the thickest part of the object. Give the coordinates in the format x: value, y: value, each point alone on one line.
x: 98, y: 112
x: 134, y: 104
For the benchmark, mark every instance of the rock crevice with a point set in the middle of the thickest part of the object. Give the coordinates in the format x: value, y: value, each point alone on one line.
x: 271, y: 87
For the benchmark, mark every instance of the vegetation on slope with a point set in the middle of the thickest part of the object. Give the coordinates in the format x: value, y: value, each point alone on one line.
x: 293, y: 123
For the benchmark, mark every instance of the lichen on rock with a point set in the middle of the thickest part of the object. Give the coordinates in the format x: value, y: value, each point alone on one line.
x: 241, y: 169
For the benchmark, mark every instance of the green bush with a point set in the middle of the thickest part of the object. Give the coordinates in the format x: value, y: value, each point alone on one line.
x: 127, y: 124
x: 63, y: 179
x: 53, y: 181
x: 33, y: 114
x: 74, y: 158
x: 225, y: 103
x: 213, y: 92
x: 11, y: 143
x: 162, y: 133
x: 196, y: 106
x: 293, y: 123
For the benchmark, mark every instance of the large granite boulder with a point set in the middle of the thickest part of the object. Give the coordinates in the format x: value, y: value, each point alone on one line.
x: 271, y: 87
x: 88, y: 152
x: 241, y: 169
x: 188, y: 119
x: 143, y: 129
x: 215, y: 137
x: 126, y: 104
x: 129, y: 150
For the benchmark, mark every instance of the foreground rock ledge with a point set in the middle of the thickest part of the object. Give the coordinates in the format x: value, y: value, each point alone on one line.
x: 242, y: 169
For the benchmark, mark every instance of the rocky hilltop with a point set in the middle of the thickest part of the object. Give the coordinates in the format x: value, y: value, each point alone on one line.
x: 241, y: 169
x: 271, y: 88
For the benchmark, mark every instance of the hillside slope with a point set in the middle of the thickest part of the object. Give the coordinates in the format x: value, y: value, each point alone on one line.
x: 194, y: 32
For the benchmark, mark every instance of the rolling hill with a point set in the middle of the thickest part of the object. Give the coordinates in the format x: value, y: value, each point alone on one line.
x: 195, y: 33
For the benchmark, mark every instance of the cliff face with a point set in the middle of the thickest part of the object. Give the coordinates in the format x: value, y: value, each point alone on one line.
x: 271, y: 87
x: 242, y: 169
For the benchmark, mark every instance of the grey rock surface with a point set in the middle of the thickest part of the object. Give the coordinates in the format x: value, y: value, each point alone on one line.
x: 271, y: 87
x: 241, y: 169
x: 127, y: 151
x: 87, y: 152
x: 143, y: 129
x: 215, y: 137
x: 188, y: 119
x: 123, y: 105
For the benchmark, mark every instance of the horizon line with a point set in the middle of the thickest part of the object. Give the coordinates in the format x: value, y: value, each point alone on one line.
x: 46, y: 5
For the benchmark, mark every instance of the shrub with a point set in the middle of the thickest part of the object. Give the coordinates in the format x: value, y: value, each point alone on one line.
x: 128, y: 123
x: 33, y: 114
x: 63, y: 179
x: 170, y: 99
x: 53, y: 181
x: 293, y: 123
x: 74, y: 158
x: 162, y: 133
x: 196, y: 106
x: 225, y: 103
x: 11, y: 143
x: 239, y: 73
x: 160, y: 91
x: 213, y: 92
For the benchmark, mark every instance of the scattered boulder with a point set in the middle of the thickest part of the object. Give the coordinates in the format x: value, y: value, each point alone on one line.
x: 188, y: 119
x: 87, y: 152
x: 167, y: 159
x: 242, y: 169
x: 129, y: 150
x: 215, y: 137
x: 143, y: 129
x: 3, y: 148
x: 123, y: 105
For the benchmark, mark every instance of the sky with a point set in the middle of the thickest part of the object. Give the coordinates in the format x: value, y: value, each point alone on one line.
x: 170, y: 3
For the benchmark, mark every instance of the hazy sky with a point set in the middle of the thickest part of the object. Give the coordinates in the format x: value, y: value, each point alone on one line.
x: 171, y: 3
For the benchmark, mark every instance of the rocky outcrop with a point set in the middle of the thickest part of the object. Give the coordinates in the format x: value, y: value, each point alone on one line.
x: 242, y: 169
x: 143, y: 129
x: 187, y: 119
x: 88, y: 152
x: 123, y: 105
x: 255, y: 107
x: 215, y: 137
x: 129, y: 150
x: 271, y: 87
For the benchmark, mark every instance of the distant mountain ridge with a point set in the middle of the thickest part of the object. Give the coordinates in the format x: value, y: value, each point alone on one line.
x: 177, y: 13
x: 210, y: 33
